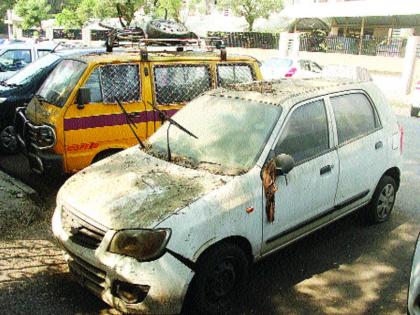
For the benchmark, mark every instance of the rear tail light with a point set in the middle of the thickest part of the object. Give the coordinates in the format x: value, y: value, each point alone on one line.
x: 401, y: 137
x: 291, y: 72
x: 418, y: 85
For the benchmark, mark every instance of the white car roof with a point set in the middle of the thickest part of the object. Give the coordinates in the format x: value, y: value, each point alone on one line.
x: 26, y: 45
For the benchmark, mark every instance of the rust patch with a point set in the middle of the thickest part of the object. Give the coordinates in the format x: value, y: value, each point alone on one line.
x: 270, y: 188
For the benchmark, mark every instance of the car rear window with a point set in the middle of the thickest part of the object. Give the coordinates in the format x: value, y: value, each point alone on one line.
x: 354, y: 116
x: 180, y: 83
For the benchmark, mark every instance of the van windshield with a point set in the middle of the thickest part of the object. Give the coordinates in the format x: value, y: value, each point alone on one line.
x: 231, y: 134
x: 61, y: 81
x: 30, y: 71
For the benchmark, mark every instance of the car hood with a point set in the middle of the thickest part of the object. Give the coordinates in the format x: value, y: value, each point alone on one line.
x: 132, y: 189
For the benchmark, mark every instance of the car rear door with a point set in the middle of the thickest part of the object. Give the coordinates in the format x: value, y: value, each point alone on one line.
x: 361, y: 147
x: 307, y: 193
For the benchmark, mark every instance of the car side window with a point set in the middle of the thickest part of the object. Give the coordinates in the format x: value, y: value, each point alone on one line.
x: 305, y: 65
x: 43, y: 52
x: 121, y: 81
x: 234, y: 73
x: 354, y: 116
x: 17, y: 57
x: 94, y: 84
x: 305, y: 134
x: 180, y: 83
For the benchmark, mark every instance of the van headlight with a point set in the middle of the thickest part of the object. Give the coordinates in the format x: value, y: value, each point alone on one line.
x: 144, y: 245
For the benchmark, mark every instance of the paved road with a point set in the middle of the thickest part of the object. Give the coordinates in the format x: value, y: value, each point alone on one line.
x: 346, y: 268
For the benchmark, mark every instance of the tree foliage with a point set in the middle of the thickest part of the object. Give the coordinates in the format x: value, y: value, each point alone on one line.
x: 32, y: 12
x: 251, y: 9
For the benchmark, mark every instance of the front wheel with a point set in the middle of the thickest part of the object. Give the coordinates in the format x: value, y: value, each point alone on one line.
x: 382, y: 203
x: 221, y: 273
x: 8, y: 140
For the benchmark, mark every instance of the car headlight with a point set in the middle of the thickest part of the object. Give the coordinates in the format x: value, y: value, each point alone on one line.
x: 144, y: 245
x: 3, y: 99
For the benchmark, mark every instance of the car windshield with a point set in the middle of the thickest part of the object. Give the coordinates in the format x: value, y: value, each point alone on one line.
x: 27, y: 73
x: 231, y: 134
x: 61, y: 81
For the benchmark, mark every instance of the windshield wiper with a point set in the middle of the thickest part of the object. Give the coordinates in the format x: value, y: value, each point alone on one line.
x: 130, y: 123
x: 171, y: 122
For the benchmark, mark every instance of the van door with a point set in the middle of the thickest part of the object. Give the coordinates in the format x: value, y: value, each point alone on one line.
x: 101, y: 124
x: 175, y: 84
x: 361, y: 147
x: 307, y: 193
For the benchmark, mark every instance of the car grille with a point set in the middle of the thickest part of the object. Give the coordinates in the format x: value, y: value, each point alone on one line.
x: 80, y: 231
x: 87, y: 275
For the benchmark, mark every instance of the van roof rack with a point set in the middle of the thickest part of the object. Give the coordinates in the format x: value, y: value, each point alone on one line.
x: 137, y: 38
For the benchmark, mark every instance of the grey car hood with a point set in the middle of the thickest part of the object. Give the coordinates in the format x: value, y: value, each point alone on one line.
x: 134, y: 190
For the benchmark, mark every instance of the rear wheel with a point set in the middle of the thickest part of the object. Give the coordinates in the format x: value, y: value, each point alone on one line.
x: 8, y: 140
x: 382, y: 203
x: 221, y: 272
x: 414, y: 111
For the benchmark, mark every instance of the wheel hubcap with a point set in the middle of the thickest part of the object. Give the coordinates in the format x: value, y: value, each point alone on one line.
x: 385, y: 201
x: 222, y: 280
x: 8, y: 138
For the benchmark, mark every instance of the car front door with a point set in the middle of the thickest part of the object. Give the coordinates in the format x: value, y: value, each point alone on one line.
x: 361, y: 147
x: 308, y: 191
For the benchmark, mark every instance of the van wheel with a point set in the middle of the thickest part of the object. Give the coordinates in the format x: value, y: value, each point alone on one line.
x: 221, y: 272
x: 103, y: 155
x: 414, y: 111
x: 8, y: 140
x: 380, y: 207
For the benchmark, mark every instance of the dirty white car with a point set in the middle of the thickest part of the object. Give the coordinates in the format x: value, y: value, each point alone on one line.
x: 256, y: 168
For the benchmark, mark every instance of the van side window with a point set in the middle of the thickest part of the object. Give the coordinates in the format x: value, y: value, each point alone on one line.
x: 354, y: 116
x: 180, y: 83
x: 94, y: 84
x: 305, y: 134
x: 121, y: 81
x: 234, y: 73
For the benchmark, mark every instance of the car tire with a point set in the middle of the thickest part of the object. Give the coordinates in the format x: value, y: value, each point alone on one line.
x: 414, y: 111
x: 221, y: 273
x: 383, y: 199
x: 8, y: 140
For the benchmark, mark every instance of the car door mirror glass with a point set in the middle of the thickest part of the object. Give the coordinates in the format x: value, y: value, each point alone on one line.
x: 284, y: 164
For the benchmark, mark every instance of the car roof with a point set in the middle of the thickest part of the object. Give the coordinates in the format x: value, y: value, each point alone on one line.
x: 130, y: 56
x: 29, y: 45
x: 279, y: 92
x: 77, y: 52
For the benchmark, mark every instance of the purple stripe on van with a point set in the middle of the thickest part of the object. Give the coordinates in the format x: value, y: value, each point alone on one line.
x: 111, y: 120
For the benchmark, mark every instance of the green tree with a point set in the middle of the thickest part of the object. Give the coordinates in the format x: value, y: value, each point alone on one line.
x: 32, y: 12
x: 4, y: 6
x: 251, y: 9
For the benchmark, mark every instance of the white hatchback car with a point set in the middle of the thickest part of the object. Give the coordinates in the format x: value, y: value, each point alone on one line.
x: 257, y: 167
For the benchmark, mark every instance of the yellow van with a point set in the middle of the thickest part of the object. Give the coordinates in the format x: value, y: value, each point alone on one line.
x: 74, y: 119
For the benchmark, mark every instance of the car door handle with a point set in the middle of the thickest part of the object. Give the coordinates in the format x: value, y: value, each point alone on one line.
x: 325, y: 169
x: 378, y: 145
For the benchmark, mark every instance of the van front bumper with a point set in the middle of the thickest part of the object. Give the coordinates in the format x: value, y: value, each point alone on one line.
x: 156, y: 287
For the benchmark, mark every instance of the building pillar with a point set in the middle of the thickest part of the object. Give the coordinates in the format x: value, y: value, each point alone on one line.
x: 284, y: 44
x: 362, y: 33
x: 295, y: 45
x: 409, y: 63
x: 86, y: 36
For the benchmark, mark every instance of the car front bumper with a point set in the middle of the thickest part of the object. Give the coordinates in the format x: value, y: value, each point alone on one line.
x: 165, y: 280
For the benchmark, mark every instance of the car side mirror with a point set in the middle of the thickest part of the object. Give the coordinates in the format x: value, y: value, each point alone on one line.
x: 284, y: 164
x: 83, y: 97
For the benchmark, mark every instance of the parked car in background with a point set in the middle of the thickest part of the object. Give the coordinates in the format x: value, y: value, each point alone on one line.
x: 278, y: 68
x: 413, y: 301
x: 75, y: 120
x: 415, y: 100
x: 355, y: 73
x: 238, y: 174
x: 16, y: 56
x: 21, y: 87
